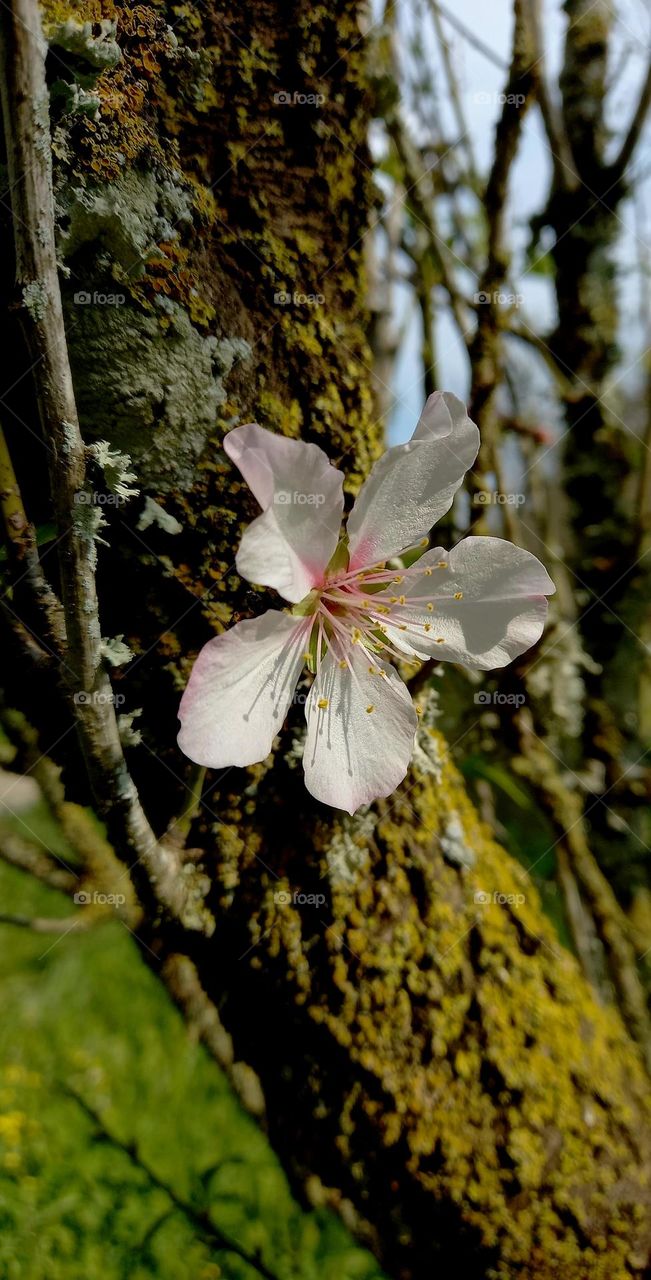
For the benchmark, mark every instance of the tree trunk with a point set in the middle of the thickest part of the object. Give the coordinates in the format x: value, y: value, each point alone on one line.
x: 431, y: 1062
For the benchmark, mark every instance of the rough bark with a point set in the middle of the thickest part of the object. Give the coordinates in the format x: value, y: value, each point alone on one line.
x: 432, y: 1064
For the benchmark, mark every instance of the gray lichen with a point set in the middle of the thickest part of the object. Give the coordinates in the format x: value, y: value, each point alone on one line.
x: 128, y: 219
x: 115, y: 468
x: 153, y: 513
x: 115, y: 651
x: 94, y: 42
x: 35, y: 298
x: 144, y: 387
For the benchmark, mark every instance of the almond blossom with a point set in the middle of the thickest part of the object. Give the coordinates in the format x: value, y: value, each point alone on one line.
x: 355, y: 609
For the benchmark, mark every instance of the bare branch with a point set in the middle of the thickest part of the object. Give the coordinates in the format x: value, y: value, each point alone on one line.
x: 635, y: 128
x: 25, y: 110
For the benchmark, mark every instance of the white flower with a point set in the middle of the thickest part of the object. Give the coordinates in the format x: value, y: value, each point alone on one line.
x: 481, y: 604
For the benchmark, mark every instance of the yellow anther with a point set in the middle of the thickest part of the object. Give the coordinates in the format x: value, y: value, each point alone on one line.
x: 430, y: 608
x: 403, y: 626
x: 403, y: 599
x: 400, y: 578
x: 428, y: 573
x: 323, y: 704
x: 458, y: 595
x: 418, y: 710
x: 393, y: 599
x: 427, y: 626
x: 306, y: 657
x: 382, y: 608
x: 372, y: 671
x: 370, y: 708
x: 424, y: 542
x: 356, y: 635
x: 442, y: 564
x: 440, y: 639
x: 343, y: 664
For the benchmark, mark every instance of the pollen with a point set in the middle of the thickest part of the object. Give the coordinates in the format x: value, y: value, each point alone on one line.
x: 370, y: 708
x: 427, y: 626
x: 403, y: 599
x: 458, y: 595
x: 393, y: 599
x: 440, y: 639
x: 424, y: 542
x: 356, y: 635
x: 418, y: 709
x: 323, y: 704
x: 343, y: 664
x: 383, y: 608
x: 442, y: 564
x: 403, y: 626
x: 400, y: 578
x: 372, y: 671
x: 430, y: 608
x: 306, y: 657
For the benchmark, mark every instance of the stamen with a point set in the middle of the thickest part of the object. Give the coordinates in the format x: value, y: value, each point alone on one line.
x: 323, y: 704
x: 370, y: 708
x: 458, y: 595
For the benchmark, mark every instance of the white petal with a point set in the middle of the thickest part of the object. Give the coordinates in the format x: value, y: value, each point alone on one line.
x: 240, y: 690
x: 500, y: 615
x: 412, y: 485
x: 353, y: 755
x: 301, y: 495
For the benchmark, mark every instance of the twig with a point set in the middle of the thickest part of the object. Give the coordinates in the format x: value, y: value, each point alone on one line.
x: 25, y: 109
x: 22, y: 551
x: 57, y: 924
x: 563, y: 162
x: 636, y: 126
x: 179, y: 973
x: 39, y: 862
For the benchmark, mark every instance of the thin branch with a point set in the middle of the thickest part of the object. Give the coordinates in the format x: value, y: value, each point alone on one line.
x: 25, y: 105
x: 469, y: 35
x: 22, y: 552
x: 38, y: 862
x: 179, y: 973
x: 563, y: 162
x: 636, y: 126
x: 56, y: 924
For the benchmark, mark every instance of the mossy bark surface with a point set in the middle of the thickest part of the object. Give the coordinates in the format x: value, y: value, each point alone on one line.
x: 432, y: 1063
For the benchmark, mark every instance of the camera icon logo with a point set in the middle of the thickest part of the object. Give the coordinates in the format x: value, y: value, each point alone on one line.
x: 482, y: 898
x: 283, y: 98
x: 282, y: 298
x: 483, y: 698
x: 282, y: 498
x: 282, y: 898
x: 480, y: 299
x: 82, y: 698
x: 83, y: 898
x: 82, y: 298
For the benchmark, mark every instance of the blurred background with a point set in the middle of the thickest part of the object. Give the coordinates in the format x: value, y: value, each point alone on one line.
x: 509, y: 263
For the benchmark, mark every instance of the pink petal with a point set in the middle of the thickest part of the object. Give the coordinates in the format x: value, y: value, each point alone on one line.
x: 301, y: 494
x: 240, y: 690
x: 500, y: 614
x: 352, y: 755
x: 412, y: 485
